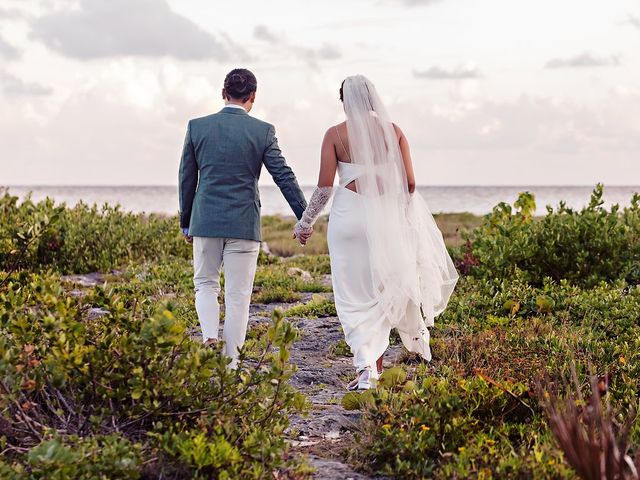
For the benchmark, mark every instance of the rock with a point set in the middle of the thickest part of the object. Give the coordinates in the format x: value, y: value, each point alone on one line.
x: 332, y: 435
x: 86, y: 280
x: 298, y: 272
x: 331, y: 469
x: 97, y: 312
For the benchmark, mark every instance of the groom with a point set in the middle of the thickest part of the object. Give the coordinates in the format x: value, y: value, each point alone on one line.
x: 220, y: 205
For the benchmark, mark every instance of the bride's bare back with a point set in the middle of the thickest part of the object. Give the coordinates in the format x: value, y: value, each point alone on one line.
x: 335, y: 148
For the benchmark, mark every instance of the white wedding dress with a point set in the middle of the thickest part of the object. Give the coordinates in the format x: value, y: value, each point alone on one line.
x: 364, y: 322
x: 390, y: 267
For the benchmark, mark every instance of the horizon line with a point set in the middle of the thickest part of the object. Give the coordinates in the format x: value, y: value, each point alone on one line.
x: 590, y: 185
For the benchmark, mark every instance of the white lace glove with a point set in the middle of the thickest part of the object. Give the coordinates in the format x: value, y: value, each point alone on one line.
x: 318, y: 200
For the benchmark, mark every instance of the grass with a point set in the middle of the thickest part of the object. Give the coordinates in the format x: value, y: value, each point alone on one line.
x: 318, y: 306
x: 277, y: 233
x: 340, y: 349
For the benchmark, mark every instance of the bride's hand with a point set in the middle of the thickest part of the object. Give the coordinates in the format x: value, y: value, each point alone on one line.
x: 302, y: 234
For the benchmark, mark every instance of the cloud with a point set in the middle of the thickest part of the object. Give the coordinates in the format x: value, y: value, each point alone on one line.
x: 13, y: 86
x: 100, y: 29
x: 261, y: 32
x: 584, y: 60
x: 635, y: 21
x: 545, y: 125
x: 525, y: 141
x: 411, y: 3
x: 110, y: 134
x: 311, y: 55
x: 7, y: 50
x: 419, y: 3
x: 10, y: 13
x: 328, y: 52
x: 439, y: 73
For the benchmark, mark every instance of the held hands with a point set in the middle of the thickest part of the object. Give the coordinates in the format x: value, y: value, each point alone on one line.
x: 302, y: 234
x: 304, y: 228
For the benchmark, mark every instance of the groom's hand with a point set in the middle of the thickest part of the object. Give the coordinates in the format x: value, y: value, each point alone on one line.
x: 187, y: 238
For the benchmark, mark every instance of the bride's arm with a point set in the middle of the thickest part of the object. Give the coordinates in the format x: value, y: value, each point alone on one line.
x: 322, y: 194
x: 406, y: 158
x: 328, y: 160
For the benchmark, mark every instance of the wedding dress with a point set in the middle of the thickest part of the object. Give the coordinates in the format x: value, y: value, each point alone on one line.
x: 390, y: 267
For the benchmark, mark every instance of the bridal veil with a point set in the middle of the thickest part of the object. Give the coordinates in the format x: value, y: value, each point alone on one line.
x: 408, y: 258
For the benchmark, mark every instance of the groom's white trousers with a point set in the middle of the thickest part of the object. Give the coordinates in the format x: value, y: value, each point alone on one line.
x: 240, y: 259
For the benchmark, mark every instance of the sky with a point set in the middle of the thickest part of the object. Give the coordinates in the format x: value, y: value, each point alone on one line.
x: 493, y: 92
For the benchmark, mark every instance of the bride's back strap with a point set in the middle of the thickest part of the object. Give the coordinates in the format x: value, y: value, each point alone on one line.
x: 342, y: 143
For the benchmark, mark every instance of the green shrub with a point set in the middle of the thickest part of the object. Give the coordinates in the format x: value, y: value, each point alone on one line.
x: 314, y: 264
x: 340, y: 349
x: 318, y: 306
x: 584, y: 247
x: 275, y: 294
x: 497, y: 325
x: 82, y: 239
x: 497, y: 339
x: 454, y: 428
x: 135, y: 385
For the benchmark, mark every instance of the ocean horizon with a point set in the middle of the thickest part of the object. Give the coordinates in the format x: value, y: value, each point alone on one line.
x: 476, y: 199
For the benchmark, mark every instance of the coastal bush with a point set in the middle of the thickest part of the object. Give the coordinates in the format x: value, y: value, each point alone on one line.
x: 82, y: 238
x: 473, y: 411
x: 318, y: 306
x: 453, y: 427
x: 503, y: 327
x: 105, y: 382
x: 122, y: 394
x: 585, y: 247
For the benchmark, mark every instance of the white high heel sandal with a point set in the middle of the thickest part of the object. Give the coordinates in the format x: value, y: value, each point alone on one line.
x: 364, y: 381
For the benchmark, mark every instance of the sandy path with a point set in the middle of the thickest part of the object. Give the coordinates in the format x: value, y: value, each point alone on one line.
x: 328, y: 428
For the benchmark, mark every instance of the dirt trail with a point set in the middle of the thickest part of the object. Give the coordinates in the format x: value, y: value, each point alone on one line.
x: 328, y: 428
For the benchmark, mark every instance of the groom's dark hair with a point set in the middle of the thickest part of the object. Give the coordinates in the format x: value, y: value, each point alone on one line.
x: 240, y: 83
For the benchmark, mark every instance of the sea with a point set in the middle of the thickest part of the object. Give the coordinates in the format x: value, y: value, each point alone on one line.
x: 478, y: 200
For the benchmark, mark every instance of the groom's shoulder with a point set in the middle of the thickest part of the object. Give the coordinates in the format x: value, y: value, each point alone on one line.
x: 200, y: 124
x: 261, y: 123
x: 201, y: 120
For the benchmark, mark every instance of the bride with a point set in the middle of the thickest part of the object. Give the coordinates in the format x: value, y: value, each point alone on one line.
x: 390, y: 267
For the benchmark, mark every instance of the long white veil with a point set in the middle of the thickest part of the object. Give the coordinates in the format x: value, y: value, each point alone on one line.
x: 408, y: 258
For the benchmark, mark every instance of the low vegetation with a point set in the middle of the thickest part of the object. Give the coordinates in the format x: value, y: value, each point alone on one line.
x: 110, y: 380
x: 540, y: 296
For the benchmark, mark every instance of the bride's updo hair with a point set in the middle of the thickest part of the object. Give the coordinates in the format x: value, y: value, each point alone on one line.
x: 368, y: 100
x: 240, y: 83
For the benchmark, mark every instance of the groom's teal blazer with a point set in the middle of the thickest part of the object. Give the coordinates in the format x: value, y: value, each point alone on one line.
x: 219, y: 171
